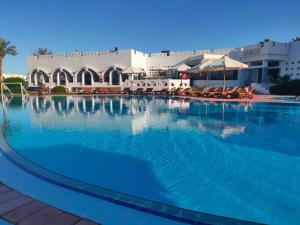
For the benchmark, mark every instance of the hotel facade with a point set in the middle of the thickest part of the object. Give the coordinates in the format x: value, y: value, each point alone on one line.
x: 267, y: 61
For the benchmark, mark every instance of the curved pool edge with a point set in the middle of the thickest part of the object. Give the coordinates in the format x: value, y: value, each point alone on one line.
x: 136, y: 203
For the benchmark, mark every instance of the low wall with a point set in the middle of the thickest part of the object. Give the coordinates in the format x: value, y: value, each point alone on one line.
x: 216, y: 83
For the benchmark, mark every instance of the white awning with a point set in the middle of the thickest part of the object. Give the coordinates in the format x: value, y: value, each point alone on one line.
x: 201, y: 67
x: 159, y: 68
x: 181, y: 67
x: 132, y: 70
x: 225, y: 63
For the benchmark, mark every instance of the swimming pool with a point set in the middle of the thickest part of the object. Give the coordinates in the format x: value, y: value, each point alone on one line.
x: 288, y: 98
x: 239, y: 160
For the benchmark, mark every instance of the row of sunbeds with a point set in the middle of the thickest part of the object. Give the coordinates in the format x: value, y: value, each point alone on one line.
x: 212, y: 92
x: 219, y: 92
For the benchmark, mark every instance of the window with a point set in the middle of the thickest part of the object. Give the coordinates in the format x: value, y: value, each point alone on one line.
x: 286, y: 69
x: 256, y: 63
x: 298, y: 61
x: 286, y: 63
x: 292, y: 68
x: 172, y: 84
x: 273, y: 63
x: 293, y: 62
x: 219, y: 75
x: 144, y: 84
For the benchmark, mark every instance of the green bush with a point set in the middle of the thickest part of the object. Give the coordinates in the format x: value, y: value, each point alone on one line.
x: 14, y: 88
x: 14, y: 80
x: 58, y: 90
x: 291, y: 87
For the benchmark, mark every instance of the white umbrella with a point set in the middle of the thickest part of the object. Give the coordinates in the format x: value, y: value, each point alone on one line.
x: 181, y: 67
x: 224, y: 64
x: 202, y: 67
x: 132, y: 70
x: 227, y: 63
x: 159, y: 68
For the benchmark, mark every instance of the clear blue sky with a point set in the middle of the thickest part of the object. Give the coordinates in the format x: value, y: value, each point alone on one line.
x: 145, y: 25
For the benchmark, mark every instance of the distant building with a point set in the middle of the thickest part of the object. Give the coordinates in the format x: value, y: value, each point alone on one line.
x: 266, y: 61
x: 8, y: 75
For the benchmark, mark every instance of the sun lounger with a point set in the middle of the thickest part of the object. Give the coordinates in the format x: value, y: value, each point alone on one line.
x: 148, y: 91
x: 185, y: 91
x: 174, y: 91
x: 100, y: 90
x: 228, y: 92
x: 162, y: 91
x: 207, y: 91
x: 246, y: 92
x: 113, y: 90
x: 125, y: 91
x: 198, y: 91
x: 215, y: 93
x: 88, y: 90
x: 138, y: 91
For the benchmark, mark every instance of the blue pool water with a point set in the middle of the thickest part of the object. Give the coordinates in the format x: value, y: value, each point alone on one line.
x: 239, y: 160
x: 288, y: 98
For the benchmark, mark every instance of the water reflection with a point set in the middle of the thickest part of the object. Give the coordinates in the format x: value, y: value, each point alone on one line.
x: 221, y: 119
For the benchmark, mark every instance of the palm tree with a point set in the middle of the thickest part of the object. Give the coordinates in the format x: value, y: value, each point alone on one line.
x: 296, y: 38
x: 5, y: 49
x: 42, y: 51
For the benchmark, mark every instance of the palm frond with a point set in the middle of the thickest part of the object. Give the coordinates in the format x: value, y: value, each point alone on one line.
x: 42, y: 51
x: 6, y: 48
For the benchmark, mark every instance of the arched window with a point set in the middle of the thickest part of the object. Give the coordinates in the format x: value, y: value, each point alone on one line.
x: 40, y: 76
x: 115, y: 75
x: 89, y: 75
x: 62, y: 76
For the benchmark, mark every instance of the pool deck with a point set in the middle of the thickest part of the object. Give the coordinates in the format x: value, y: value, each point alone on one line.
x: 17, y: 208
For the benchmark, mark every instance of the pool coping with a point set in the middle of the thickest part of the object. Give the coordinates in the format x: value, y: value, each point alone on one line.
x: 264, y: 98
x: 140, y: 204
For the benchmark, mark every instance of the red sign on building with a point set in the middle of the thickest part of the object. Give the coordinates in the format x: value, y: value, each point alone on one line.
x: 184, y: 75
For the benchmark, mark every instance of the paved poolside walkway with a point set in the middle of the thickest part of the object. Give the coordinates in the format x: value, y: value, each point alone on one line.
x: 16, y: 208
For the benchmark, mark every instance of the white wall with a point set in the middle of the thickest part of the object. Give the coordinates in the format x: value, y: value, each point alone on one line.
x: 99, y: 61
x: 287, y: 53
x: 216, y: 83
x: 156, y: 84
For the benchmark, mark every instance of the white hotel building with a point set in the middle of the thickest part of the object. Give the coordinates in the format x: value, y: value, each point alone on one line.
x: 266, y: 61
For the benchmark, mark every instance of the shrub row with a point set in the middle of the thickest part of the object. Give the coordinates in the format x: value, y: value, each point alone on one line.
x: 291, y: 87
x: 58, y: 90
x: 14, y: 88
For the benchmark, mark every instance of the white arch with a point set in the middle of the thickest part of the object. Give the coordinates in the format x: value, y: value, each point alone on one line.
x: 36, y: 80
x: 59, y: 70
x: 87, y: 69
x: 113, y: 68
